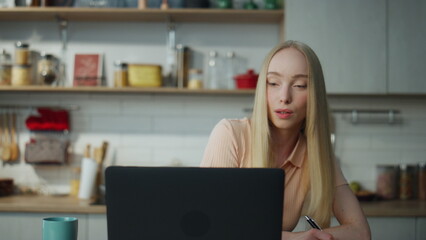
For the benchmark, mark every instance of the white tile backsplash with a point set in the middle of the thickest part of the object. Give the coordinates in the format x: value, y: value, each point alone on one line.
x: 163, y: 130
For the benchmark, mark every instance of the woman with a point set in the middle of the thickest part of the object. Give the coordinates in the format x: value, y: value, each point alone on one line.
x: 289, y: 129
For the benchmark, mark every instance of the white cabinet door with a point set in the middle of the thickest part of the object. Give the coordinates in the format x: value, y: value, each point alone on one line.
x: 24, y: 226
x: 407, y: 50
x: 349, y: 37
x: 392, y: 228
x: 97, y: 227
x: 421, y: 228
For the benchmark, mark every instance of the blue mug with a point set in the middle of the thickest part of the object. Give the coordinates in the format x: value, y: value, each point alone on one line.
x: 64, y: 228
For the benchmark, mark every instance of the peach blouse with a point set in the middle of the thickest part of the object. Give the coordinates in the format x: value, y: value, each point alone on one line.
x: 229, y: 145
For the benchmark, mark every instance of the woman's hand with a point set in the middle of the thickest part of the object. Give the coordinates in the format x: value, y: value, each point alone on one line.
x: 312, y: 234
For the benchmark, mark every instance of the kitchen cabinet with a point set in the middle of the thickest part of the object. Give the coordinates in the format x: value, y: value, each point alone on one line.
x: 407, y: 35
x: 97, y: 227
x: 215, y: 17
x: 349, y: 38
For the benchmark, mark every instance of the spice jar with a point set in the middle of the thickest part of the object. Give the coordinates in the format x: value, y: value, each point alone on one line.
x: 407, y: 183
x: 386, y: 185
x: 5, y: 68
x: 195, y: 79
x: 422, y: 181
x: 22, y: 53
x: 21, y: 75
x: 46, y: 69
x: 120, y: 74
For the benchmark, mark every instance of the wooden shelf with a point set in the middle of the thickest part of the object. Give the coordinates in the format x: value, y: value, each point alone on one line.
x: 145, y: 15
x: 33, y: 89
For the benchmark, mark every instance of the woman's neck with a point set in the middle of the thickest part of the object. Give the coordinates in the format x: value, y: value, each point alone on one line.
x: 283, y: 142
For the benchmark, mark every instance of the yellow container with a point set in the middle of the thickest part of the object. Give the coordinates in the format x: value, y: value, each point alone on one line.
x: 142, y: 75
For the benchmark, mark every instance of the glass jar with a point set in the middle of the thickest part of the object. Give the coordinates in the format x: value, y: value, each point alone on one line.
x: 271, y: 4
x: 75, y: 181
x: 387, y: 180
x: 195, y: 79
x: 21, y: 75
x: 120, y: 74
x: 5, y: 68
x: 47, y: 69
x: 224, y: 4
x: 407, y: 183
x: 422, y: 181
x: 22, y: 53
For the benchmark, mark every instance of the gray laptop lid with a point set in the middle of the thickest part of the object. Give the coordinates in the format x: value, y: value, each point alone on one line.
x: 165, y: 203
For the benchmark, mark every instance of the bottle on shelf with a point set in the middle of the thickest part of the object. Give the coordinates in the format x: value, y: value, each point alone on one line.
x: 213, y: 78
x: 231, y: 70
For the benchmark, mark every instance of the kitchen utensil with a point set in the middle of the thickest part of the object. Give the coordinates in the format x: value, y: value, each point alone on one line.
x: 104, y: 149
x: 247, y: 80
x: 87, y: 151
x: 89, y: 168
x: 14, y: 147
x: 6, y: 140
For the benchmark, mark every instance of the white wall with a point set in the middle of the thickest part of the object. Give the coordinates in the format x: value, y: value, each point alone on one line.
x: 162, y: 129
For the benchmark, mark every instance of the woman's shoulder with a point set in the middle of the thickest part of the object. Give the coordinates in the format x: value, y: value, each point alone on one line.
x: 235, y: 125
x: 236, y: 122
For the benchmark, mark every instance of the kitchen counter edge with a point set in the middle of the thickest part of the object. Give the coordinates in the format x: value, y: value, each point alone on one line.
x: 66, y: 204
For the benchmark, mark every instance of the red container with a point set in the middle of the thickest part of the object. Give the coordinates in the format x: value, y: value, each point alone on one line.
x: 246, y: 80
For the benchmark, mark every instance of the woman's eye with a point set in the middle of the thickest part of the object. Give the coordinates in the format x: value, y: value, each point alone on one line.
x: 272, y: 84
x: 300, y: 86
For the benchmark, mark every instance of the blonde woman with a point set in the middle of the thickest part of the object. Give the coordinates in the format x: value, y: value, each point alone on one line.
x: 289, y: 129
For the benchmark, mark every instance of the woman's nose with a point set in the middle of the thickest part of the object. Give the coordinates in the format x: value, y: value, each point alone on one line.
x: 285, y: 96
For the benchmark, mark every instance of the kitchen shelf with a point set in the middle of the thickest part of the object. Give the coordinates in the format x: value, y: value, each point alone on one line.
x: 33, y: 89
x: 145, y: 15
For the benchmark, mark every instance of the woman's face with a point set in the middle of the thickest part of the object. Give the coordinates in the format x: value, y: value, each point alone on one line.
x: 287, y: 89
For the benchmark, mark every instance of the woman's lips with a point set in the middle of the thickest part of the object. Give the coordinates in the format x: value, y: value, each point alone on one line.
x: 283, y: 113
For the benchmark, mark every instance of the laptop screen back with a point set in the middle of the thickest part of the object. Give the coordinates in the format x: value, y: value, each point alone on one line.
x: 194, y: 203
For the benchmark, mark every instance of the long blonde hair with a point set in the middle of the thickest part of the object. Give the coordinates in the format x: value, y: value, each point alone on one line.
x: 320, y: 156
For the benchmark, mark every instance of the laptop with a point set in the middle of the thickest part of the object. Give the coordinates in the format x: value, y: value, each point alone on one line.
x: 165, y: 203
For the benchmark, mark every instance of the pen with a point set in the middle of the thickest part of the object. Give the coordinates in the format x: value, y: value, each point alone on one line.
x: 312, y: 223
